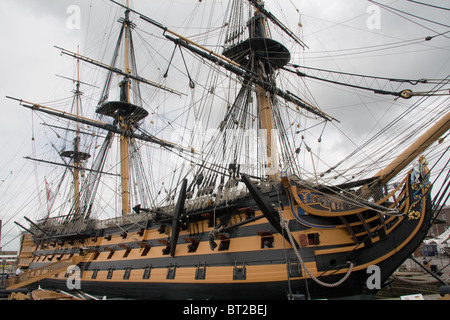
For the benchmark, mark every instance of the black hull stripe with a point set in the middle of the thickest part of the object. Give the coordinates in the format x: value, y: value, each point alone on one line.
x: 241, y: 232
x: 239, y: 290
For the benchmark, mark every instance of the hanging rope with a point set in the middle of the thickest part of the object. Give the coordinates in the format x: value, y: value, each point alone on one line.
x: 285, y: 225
x: 191, y: 82
x: 170, y: 61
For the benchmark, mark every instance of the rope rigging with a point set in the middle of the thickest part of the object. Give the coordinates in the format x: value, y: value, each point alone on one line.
x: 357, y: 80
x: 238, y: 149
x: 285, y: 225
x: 398, y: 11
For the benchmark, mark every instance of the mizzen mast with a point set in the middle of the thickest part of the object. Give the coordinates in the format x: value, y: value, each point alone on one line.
x: 76, y: 155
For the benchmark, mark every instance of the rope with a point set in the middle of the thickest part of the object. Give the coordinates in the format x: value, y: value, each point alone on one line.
x: 285, y: 225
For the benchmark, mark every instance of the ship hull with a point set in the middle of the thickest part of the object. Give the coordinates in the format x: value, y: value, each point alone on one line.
x: 278, y: 290
x: 355, y: 287
x: 333, y: 260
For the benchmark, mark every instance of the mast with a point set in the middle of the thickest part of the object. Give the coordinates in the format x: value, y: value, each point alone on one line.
x: 263, y: 56
x: 126, y: 114
x: 259, y: 56
x: 124, y: 140
x: 76, y: 155
x: 76, y: 171
x: 264, y: 103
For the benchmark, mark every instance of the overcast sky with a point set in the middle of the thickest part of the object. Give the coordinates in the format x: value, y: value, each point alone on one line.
x: 356, y: 36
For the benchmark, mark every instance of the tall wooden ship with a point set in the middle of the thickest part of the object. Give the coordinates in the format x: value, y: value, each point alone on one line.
x: 239, y: 218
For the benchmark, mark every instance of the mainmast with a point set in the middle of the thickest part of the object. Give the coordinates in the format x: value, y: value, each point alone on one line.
x: 126, y: 114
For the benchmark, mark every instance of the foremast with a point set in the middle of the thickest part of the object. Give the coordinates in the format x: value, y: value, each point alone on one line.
x: 262, y: 56
x: 124, y: 140
x: 264, y: 103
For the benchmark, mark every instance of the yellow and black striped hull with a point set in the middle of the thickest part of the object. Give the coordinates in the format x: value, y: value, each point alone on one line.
x: 251, y: 261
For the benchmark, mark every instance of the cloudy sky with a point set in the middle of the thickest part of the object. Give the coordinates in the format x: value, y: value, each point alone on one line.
x: 354, y: 36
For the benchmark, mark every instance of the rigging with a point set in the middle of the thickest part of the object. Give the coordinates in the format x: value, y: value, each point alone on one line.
x: 429, y: 5
x: 406, y: 94
x: 395, y: 11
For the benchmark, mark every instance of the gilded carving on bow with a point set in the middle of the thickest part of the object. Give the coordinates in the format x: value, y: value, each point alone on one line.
x: 414, y: 215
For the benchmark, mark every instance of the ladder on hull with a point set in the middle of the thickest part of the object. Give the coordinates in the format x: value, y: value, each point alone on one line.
x: 47, y: 271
